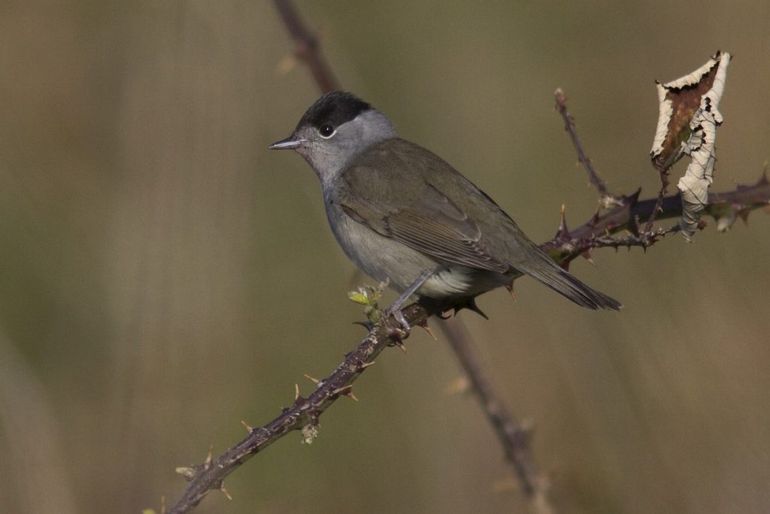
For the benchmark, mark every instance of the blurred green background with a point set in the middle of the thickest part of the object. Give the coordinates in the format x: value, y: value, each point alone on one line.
x: 163, y: 276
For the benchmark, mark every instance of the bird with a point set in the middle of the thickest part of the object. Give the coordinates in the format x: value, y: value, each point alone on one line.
x: 406, y: 217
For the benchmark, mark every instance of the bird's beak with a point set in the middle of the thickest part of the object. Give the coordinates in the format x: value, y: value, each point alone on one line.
x: 290, y: 143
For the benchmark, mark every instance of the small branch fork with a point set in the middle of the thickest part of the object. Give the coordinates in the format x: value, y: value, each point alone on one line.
x: 616, y: 214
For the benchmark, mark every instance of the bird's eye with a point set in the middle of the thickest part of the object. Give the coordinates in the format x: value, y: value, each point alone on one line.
x: 326, y: 131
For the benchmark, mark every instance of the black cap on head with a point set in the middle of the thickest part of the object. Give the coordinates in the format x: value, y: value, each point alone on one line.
x: 334, y: 108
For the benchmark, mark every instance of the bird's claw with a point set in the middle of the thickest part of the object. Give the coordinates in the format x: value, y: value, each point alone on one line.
x: 401, y: 329
x: 398, y: 315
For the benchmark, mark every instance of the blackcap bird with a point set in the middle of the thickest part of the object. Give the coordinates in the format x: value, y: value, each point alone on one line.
x: 405, y: 216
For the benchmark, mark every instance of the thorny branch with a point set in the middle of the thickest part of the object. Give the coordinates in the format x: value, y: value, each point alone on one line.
x: 305, y: 412
x: 302, y: 415
x: 623, y: 214
x: 724, y: 207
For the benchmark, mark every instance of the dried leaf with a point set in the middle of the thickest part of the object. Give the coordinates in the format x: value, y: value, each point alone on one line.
x: 689, y: 117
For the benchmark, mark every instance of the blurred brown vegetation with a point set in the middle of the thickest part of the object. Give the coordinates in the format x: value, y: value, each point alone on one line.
x: 163, y: 276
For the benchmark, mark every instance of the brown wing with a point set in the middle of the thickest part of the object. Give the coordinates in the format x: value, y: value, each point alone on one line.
x: 424, y: 219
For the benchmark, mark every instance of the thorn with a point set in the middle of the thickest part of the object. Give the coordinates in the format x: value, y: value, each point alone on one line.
x: 426, y: 328
x: 368, y: 325
x: 312, y: 379
x: 401, y: 346
x: 633, y: 198
x: 366, y: 365
x: 248, y: 427
x: 562, y: 232
x: 209, y: 458
x: 296, y: 392
x: 475, y: 308
x: 341, y: 390
x: 509, y: 287
x: 346, y: 391
x: 224, y: 491
x: 587, y: 256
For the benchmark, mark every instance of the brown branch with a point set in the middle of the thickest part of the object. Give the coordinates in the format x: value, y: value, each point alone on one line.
x: 511, y: 434
x: 306, y: 46
x: 606, y: 199
x: 568, y: 244
x: 656, y: 210
x: 302, y: 415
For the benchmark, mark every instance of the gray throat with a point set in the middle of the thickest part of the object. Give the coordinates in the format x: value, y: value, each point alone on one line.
x: 353, y: 138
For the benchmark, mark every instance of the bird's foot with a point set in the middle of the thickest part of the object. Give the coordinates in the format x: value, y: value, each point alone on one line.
x: 395, y: 311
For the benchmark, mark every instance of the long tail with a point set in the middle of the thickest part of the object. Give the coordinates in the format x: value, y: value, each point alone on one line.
x: 570, y: 287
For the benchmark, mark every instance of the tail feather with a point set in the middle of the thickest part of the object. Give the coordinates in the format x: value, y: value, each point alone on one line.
x: 571, y: 288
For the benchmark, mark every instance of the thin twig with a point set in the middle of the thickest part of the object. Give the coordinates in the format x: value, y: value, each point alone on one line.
x: 513, y: 436
x: 306, y: 47
x: 658, y: 203
x: 606, y: 199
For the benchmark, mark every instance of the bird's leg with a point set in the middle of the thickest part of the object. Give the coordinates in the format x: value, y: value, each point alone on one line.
x: 395, y: 307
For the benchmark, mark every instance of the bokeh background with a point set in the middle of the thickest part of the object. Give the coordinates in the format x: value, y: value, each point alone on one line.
x: 163, y: 276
